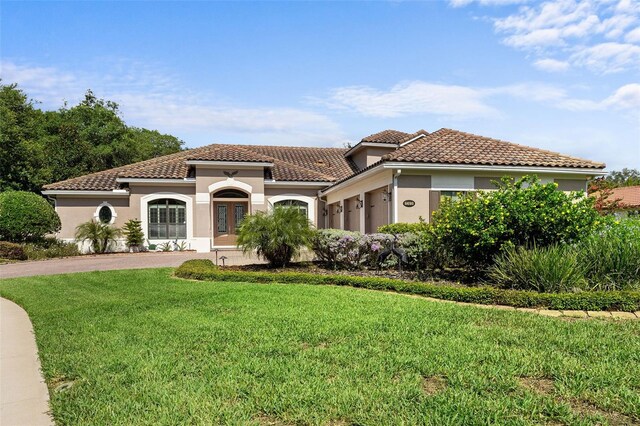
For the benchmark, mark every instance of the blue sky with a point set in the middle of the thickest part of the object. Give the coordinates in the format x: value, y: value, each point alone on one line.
x: 557, y: 75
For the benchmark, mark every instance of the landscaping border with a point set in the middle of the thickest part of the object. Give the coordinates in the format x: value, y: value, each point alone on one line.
x: 626, y: 301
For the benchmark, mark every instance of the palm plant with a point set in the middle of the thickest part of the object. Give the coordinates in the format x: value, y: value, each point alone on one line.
x: 276, y: 236
x: 100, y: 235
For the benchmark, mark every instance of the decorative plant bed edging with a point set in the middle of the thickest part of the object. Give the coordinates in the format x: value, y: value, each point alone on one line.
x: 618, y: 301
x: 616, y: 315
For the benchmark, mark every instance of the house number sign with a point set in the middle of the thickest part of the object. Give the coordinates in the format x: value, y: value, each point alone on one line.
x: 408, y: 203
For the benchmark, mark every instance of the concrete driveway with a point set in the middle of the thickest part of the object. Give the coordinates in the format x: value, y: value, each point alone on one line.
x: 106, y: 262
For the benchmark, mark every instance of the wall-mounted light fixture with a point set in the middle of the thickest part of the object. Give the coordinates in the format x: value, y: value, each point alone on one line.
x: 339, y: 208
x: 359, y: 203
x: 325, y: 212
x: 386, y: 196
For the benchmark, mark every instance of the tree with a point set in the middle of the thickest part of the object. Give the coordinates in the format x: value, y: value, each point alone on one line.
x: 624, y: 177
x: 39, y: 147
x: 22, y: 158
x: 133, y: 231
x: 25, y: 216
x: 277, y: 236
x: 100, y: 235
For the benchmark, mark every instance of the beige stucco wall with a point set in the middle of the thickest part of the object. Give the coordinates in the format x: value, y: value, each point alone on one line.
x: 367, y: 156
x: 414, y: 187
x: 76, y: 210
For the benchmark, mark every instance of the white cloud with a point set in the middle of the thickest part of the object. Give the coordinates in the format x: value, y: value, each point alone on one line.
x: 633, y: 36
x: 551, y: 65
x: 608, y: 57
x: 602, y: 36
x: 463, y: 103
x: 151, y: 98
x: 412, y: 98
x: 626, y: 97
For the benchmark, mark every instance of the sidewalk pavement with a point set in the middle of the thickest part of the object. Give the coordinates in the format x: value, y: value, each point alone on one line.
x: 24, y: 397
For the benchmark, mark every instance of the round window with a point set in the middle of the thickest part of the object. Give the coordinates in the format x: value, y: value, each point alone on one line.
x: 105, y: 215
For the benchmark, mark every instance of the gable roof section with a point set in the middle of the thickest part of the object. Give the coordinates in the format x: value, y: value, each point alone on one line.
x: 289, y: 164
x: 447, y: 146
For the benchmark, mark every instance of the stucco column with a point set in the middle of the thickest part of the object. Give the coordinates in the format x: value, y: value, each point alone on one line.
x: 363, y: 213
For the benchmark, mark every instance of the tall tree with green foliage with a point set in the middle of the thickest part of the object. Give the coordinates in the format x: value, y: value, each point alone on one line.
x: 23, y: 161
x: 39, y: 147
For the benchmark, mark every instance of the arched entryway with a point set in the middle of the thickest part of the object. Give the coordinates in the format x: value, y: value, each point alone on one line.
x: 229, y: 208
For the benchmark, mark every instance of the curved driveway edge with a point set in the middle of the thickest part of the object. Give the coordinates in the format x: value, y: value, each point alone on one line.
x: 24, y: 397
x: 107, y: 262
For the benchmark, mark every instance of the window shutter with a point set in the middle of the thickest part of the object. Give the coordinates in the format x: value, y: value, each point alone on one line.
x: 434, y: 202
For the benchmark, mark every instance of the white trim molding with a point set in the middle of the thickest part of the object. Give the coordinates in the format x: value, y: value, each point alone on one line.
x: 114, y: 215
x: 311, y: 203
x: 112, y: 193
x: 185, y: 181
x: 293, y: 183
x: 516, y: 169
x: 246, y: 164
x: 255, y: 197
x: 352, y: 178
x: 144, y: 214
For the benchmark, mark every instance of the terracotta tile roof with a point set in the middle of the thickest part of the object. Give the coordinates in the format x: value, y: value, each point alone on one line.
x: 392, y: 137
x: 290, y: 164
x: 629, y: 196
x: 329, y: 164
x: 454, y: 147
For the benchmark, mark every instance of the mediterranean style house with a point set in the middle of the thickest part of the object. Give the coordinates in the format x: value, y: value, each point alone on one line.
x: 200, y: 195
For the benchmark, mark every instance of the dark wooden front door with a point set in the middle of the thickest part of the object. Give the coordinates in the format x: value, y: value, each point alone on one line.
x: 226, y: 219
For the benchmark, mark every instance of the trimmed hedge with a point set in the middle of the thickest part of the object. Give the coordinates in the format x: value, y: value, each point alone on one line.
x: 12, y: 251
x: 628, y: 301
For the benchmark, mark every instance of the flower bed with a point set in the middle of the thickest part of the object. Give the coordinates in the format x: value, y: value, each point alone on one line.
x: 593, y: 301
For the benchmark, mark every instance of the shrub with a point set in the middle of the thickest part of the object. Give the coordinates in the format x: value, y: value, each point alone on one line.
x: 349, y: 250
x: 593, y: 301
x: 133, y: 232
x: 50, y: 248
x: 475, y: 229
x: 100, y: 235
x: 11, y: 251
x: 277, y: 235
x: 404, y: 228
x: 25, y: 216
x: 550, y: 269
x: 424, y: 253
x: 611, y: 256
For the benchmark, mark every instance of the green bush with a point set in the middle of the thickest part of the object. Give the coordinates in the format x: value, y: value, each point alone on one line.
x: 12, y: 251
x: 404, y: 228
x: 350, y: 250
x: 25, y: 216
x: 100, y: 235
x: 133, y: 232
x: 475, y: 229
x: 611, y: 256
x: 277, y: 235
x: 50, y: 248
x: 594, y: 301
x: 550, y: 269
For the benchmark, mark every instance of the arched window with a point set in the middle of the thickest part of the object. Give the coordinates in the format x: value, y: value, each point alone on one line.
x: 304, y: 207
x: 167, y: 219
x: 230, y: 193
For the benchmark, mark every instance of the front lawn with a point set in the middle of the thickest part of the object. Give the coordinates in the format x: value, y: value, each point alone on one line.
x: 141, y: 347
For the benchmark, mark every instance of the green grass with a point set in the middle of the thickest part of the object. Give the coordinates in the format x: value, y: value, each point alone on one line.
x: 142, y: 347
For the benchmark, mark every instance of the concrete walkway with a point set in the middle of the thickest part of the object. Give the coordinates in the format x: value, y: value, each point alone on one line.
x: 106, y: 262
x: 24, y: 398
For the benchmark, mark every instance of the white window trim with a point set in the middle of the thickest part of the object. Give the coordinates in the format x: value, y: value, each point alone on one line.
x: 144, y: 211
x: 96, y: 214
x: 311, y: 203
